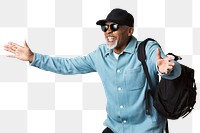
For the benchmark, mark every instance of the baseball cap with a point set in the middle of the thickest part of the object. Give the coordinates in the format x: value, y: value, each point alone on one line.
x: 119, y: 16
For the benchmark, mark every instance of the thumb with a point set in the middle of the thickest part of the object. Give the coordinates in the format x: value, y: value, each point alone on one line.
x: 158, y: 54
x: 25, y: 44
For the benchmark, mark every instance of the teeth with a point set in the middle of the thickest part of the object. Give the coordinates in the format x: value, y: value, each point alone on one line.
x: 110, y: 39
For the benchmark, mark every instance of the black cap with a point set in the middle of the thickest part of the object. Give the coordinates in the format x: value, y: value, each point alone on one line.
x: 119, y: 16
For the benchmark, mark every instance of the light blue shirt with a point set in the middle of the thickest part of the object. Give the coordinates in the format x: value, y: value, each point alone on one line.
x: 124, y: 83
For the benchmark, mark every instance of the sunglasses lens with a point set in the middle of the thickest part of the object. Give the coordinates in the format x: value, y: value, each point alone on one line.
x: 104, y: 28
x: 114, y: 27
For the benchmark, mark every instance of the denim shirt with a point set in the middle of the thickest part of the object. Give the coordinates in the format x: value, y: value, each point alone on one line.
x: 124, y: 83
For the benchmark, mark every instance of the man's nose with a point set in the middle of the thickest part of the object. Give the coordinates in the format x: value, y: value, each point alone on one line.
x: 109, y: 30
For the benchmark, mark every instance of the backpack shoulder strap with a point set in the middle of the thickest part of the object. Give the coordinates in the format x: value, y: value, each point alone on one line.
x: 142, y: 58
x: 141, y: 49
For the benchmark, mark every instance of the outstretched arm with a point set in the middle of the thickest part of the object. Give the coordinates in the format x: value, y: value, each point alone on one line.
x: 23, y: 53
x: 77, y: 65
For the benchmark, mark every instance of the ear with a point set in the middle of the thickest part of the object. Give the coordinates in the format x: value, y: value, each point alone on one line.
x: 130, y: 31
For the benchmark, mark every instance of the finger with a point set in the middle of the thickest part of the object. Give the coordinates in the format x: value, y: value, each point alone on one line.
x: 5, y: 47
x: 14, y: 48
x: 170, y: 57
x: 158, y: 54
x: 9, y: 49
x: 10, y: 45
x: 171, y: 64
x: 11, y: 56
x: 170, y: 68
x: 14, y: 45
x: 166, y: 72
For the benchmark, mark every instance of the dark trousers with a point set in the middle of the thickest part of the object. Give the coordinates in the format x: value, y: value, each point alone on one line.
x: 107, y: 130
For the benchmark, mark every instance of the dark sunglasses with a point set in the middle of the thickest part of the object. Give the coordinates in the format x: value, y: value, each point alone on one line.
x: 113, y: 27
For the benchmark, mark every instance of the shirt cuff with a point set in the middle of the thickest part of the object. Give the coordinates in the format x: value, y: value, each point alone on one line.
x: 159, y: 73
x: 34, y: 59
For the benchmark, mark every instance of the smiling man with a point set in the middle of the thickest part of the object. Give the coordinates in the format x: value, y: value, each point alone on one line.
x: 118, y: 29
x: 121, y: 73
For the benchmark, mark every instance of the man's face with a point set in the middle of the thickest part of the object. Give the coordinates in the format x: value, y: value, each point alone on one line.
x: 116, y: 36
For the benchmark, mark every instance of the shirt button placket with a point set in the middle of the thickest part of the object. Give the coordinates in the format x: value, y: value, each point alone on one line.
x: 121, y: 107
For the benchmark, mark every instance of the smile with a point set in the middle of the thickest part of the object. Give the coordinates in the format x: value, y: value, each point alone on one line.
x: 111, y: 38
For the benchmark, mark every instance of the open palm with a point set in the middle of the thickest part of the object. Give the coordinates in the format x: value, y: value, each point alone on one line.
x: 20, y: 52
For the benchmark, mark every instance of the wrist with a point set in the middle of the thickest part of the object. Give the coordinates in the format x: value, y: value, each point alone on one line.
x: 31, y: 57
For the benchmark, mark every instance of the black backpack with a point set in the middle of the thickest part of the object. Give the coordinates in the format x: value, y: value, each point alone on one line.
x: 172, y: 98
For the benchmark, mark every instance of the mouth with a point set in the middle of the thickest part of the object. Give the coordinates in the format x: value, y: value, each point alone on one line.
x: 110, y: 38
x: 111, y: 41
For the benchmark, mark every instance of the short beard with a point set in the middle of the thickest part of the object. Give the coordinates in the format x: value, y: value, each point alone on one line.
x: 111, y: 45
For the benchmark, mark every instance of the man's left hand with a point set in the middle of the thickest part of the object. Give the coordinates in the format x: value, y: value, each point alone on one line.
x: 164, y: 64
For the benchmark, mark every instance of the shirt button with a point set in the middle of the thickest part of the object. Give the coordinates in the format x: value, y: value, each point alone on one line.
x: 124, y: 121
x: 121, y: 107
x: 119, y: 89
x: 118, y: 71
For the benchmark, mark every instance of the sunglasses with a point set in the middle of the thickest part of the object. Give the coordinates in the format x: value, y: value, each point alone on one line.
x: 113, y: 27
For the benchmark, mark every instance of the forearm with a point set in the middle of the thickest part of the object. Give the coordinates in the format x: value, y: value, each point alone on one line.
x: 61, y: 65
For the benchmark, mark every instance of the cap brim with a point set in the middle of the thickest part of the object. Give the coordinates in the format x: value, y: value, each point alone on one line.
x: 101, y: 22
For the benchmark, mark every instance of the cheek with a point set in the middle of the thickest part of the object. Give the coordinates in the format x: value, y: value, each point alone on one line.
x: 118, y: 35
x: 121, y: 36
x: 104, y: 34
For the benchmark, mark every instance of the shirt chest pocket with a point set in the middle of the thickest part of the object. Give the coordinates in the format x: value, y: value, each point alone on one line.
x: 135, y: 78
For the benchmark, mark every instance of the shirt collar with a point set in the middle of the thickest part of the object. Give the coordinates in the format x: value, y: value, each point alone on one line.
x: 130, y: 48
x: 108, y: 51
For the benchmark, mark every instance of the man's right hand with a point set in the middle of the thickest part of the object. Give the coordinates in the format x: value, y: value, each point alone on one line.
x: 23, y: 53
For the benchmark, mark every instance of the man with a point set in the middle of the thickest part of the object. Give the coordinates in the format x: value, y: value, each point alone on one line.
x: 121, y: 73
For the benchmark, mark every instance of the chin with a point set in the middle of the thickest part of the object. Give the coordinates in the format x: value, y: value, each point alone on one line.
x: 111, y: 45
